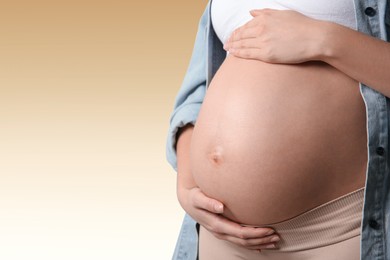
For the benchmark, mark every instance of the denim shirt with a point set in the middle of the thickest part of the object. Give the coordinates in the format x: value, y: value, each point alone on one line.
x: 373, y: 18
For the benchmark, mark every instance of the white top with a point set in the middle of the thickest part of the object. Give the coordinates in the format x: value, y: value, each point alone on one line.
x: 227, y: 15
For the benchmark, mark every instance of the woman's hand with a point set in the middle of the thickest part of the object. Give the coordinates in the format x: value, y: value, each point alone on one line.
x: 278, y: 36
x: 207, y: 212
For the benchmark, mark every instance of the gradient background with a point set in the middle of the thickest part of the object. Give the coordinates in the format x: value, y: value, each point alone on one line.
x: 86, y: 91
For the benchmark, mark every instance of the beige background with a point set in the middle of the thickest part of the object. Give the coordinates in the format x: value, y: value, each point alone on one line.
x: 86, y: 90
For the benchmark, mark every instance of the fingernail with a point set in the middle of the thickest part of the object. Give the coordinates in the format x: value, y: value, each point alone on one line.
x: 218, y: 207
x: 275, y: 239
x: 270, y: 246
x: 271, y: 231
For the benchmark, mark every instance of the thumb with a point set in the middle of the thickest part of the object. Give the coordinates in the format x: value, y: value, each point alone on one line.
x: 218, y: 206
x: 209, y: 204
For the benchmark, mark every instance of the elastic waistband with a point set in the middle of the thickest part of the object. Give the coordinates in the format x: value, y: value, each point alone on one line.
x: 334, y: 221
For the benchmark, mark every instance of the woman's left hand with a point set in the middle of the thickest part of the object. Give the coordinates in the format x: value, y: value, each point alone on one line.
x: 278, y: 36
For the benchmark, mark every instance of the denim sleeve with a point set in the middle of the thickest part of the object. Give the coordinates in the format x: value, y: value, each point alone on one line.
x: 190, y: 96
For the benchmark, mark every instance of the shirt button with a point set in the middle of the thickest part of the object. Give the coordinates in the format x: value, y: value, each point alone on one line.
x: 370, y: 11
x: 380, y: 150
x: 373, y: 224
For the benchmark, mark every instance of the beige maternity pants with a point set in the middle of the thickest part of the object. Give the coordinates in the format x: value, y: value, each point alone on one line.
x: 330, y: 231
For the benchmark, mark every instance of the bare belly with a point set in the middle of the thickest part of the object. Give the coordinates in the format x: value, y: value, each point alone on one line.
x: 273, y: 141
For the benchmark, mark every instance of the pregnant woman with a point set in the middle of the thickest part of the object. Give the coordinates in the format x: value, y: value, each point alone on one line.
x: 277, y: 138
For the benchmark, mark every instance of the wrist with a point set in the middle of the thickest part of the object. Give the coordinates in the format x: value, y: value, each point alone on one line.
x: 328, y: 38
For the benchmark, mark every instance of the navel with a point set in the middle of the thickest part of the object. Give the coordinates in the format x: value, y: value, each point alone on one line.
x: 216, y: 155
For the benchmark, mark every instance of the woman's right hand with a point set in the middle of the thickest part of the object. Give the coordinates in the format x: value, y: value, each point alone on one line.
x: 207, y: 212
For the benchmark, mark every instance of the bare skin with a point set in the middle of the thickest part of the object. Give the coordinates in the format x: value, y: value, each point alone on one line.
x: 207, y: 211
x: 266, y: 36
x: 273, y: 141
x: 339, y: 46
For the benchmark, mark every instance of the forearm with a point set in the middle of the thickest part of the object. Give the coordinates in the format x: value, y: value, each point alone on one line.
x: 362, y: 57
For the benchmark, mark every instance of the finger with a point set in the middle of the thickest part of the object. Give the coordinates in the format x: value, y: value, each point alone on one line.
x: 243, y: 44
x: 201, y: 201
x: 250, y: 32
x: 224, y: 226
x: 249, y: 237
x: 247, y: 53
x: 232, y: 36
x: 236, y: 34
x: 257, y: 12
x: 264, y: 246
x: 256, y: 243
x: 247, y: 31
x: 252, y: 244
x: 272, y: 239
